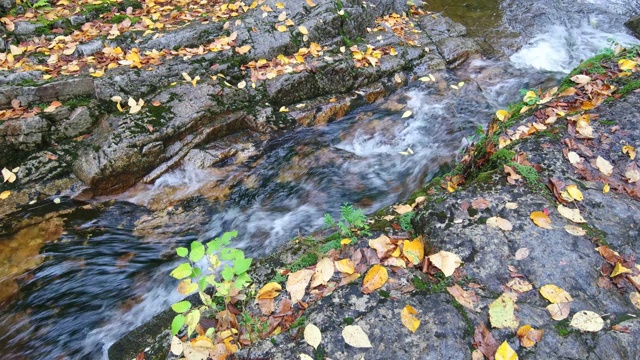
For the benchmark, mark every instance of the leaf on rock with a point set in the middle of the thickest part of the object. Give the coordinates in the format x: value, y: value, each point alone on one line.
x: 573, y: 157
x: 484, y: 341
x: 505, y: 352
x: 587, y: 321
x: 571, y: 214
x: 297, y: 283
x: 324, y: 272
x: 619, y: 269
x: 629, y: 150
x: 406, y: 114
x: 446, y: 261
x: 502, y: 115
x: 382, y: 245
x: 541, y: 219
x: 356, y: 337
x: 501, y: 312
x: 312, y: 335
x: 522, y: 253
x: 500, y: 223
x: 414, y: 250
x: 8, y: 175
x: 635, y: 299
x: 409, y: 320
x: 529, y: 336
x: 580, y: 79
x: 305, y: 357
x: 345, y: 266
x: 269, y: 291
x: 468, y: 299
x: 375, y: 278
x: 402, y: 208
x: 574, y: 192
x: 559, y: 311
x: 604, y: 166
x: 520, y: 285
x: 555, y: 294
x: 176, y: 346
x: 575, y: 230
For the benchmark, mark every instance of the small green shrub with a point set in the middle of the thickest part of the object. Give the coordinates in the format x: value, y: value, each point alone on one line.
x: 351, y: 221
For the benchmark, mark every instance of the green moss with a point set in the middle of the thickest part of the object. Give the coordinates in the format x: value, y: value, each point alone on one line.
x: 117, y: 19
x: 303, y: 262
x: 562, y: 327
x: 607, y: 122
x: 279, y: 278
x: 502, y: 157
x: 331, y: 245
x: 299, y: 322
x: 629, y: 87
x: 348, y: 320
x: 418, y: 283
x: 596, y: 235
x: 405, y: 221
x: 78, y: 101
x: 469, y: 329
x: 384, y: 294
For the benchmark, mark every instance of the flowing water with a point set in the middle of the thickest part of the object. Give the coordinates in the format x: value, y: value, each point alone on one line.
x: 85, y: 279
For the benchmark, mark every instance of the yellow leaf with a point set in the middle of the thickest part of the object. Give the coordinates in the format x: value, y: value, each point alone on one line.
x: 587, y: 321
x: 574, y: 192
x: 269, y: 291
x: 541, y: 219
x: 283, y: 109
x: 446, y: 261
x: 5, y: 194
x: 500, y: 223
x: 243, y: 49
x: 502, y: 115
x: 605, y: 188
x: 281, y: 28
x: 414, y: 250
x: 303, y: 30
x: 520, y: 285
x: 345, y: 266
x: 635, y: 299
x: 279, y: 5
x: 505, y: 352
x: 501, y: 312
x: 242, y: 84
x: 571, y: 214
x: 324, y: 272
x: 529, y: 336
x: 312, y: 335
x: 619, y: 269
x: 402, y: 208
x: 97, y: 73
x: 310, y: 3
x: 629, y: 150
x: 626, y: 64
x: 375, y: 278
x: 529, y: 97
x: 555, y: 294
x: 345, y: 241
x: 604, y: 166
x: 408, y: 319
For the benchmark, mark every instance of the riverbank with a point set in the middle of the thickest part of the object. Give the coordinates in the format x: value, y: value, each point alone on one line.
x: 552, y: 180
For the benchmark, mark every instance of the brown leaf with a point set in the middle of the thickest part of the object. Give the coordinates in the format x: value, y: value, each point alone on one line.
x: 484, y: 341
x: 512, y: 175
x: 468, y: 299
x: 480, y: 203
x: 529, y: 336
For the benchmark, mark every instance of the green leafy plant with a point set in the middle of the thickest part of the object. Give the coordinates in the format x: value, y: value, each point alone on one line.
x: 352, y: 221
x: 38, y: 4
x: 228, y: 282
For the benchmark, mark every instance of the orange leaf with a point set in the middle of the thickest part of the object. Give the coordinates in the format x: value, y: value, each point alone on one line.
x: 541, y: 219
x: 375, y: 278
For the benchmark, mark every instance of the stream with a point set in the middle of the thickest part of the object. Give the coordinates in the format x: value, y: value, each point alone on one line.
x: 85, y: 279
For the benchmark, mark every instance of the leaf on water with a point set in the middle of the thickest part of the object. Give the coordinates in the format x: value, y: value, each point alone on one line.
x: 587, y: 321
x: 502, y: 115
x: 604, y: 166
x: 522, y: 254
x: 269, y: 291
x: 559, y: 311
x: 409, y: 320
x: 312, y: 335
x: 575, y: 230
x: 505, y: 352
x: 619, y: 269
x: 501, y: 312
x: 345, y: 266
x: 580, y: 79
x: 500, y: 223
x: 297, y: 283
x: 468, y: 299
x: 374, y: 279
x: 571, y: 214
x: 324, y: 272
x: 414, y: 250
x: 555, y: 294
x: 406, y: 114
x: 541, y: 219
x: 356, y: 337
x: 446, y: 261
x: 529, y: 336
x: 176, y: 346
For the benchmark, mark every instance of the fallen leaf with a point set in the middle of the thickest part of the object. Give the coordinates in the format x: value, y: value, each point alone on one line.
x: 501, y: 312
x: 269, y: 291
x: 635, y: 299
x: 402, y: 209
x: 627, y: 64
x: 571, y: 214
x: 355, y: 336
x: 505, y: 352
x: 619, y: 269
x: 312, y: 335
x: 297, y: 283
x: 468, y: 299
x: 484, y: 341
x: 580, y: 79
x: 529, y: 336
x: 604, y: 166
x: 375, y: 278
x: 303, y: 30
x: 5, y: 194
x: 541, y: 219
x: 522, y: 254
x: 446, y: 261
x: 587, y: 321
x: 559, y: 311
x: 406, y: 114
x: 605, y: 188
x: 409, y: 320
x: 629, y: 150
x: 575, y: 230
x: 480, y: 203
x: 324, y: 272
x: 511, y: 205
x: 574, y: 192
x: 8, y: 175
x: 305, y: 357
x: 382, y: 245
x: 520, y: 285
x: 573, y: 157
x: 502, y: 115
x: 500, y: 223
x: 414, y: 250
x: 176, y: 346
x: 345, y: 266
x: 555, y: 294
x: 632, y: 174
